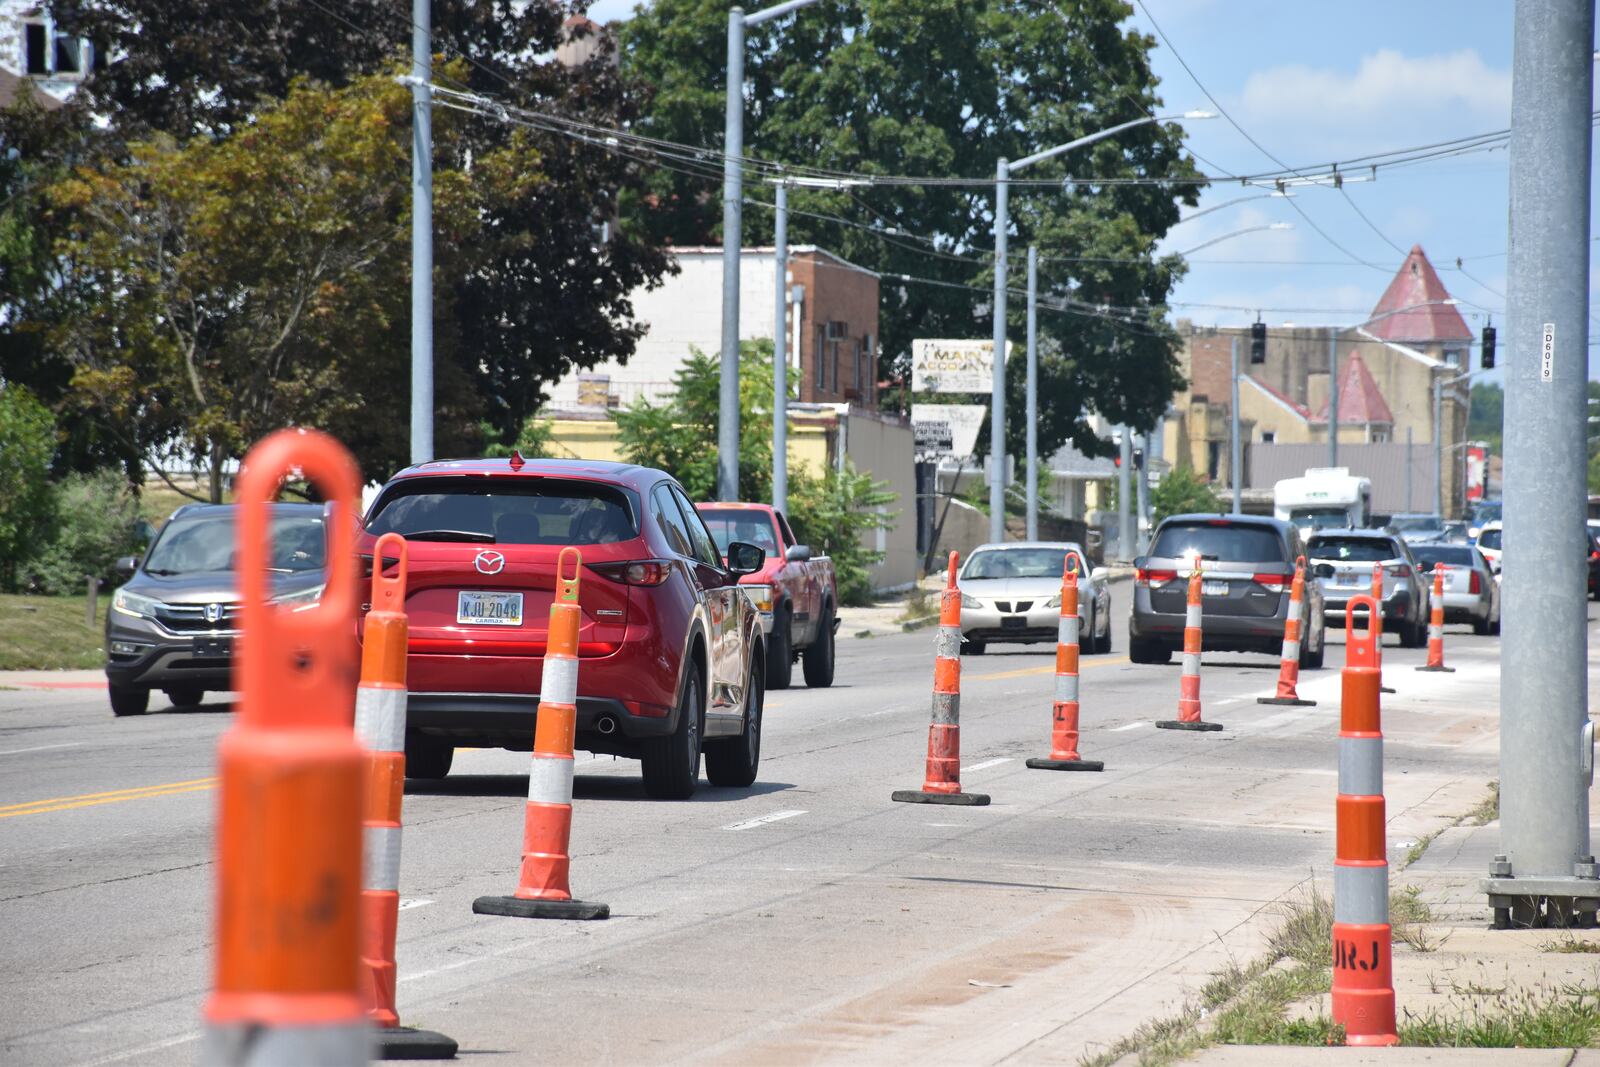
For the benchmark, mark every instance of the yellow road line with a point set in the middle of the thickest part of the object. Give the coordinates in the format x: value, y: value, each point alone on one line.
x: 1051, y: 669
x: 116, y: 796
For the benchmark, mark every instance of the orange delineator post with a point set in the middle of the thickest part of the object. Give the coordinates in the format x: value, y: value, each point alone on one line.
x: 1189, y: 684
x: 288, y: 985
x: 1289, y: 662
x: 542, y: 883
x: 381, y: 729
x: 1377, y: 594
x: 942, y: 783
x: 1436, y: 625
x: 1363, y: 977
x: 1064, y: 713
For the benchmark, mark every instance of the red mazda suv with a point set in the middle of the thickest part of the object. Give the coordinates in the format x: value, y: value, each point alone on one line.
x: 670, y: 652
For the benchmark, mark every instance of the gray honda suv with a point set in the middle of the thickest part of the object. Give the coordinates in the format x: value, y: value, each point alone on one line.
x: 172, y: 626
x: 1246, y: 566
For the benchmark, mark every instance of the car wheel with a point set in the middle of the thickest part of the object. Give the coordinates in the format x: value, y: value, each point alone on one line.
x: 1415, y: 635
x: 1481, y: 626
x: 1103, y: 643
x: 127, y: 700
x: 1141, y: 651
x: 733, y: 762
x: 427, y: 757
x: 671, y: 764
x: 972, y: 648
x: 817, y: 660
x: 1312, y: 661
x: 1494, y: 627
x: 186, y: 696
x: 780, y: 656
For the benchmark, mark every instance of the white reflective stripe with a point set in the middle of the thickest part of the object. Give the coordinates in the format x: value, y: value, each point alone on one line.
x: 560, y: 682
x: 381, y: 719
x: 1294, y: 609
x: 1361, y: 894
x: 253, y: 1044
x: 1067, y: 632
x: 380, y: 857
x: 1066, y: 687
x: 1191, y: 663
x: 1192, y: 618
x: 1291, y: 650
x: 550, y: 779
x: 1435, y: 632
x: 948, y: 644
x: 1361, y: 766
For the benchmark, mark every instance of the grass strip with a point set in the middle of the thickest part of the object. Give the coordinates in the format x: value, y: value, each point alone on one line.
x: 46, y: 633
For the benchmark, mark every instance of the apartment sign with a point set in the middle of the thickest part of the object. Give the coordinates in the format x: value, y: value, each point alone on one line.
x: 947, y: 429
x: 953, y: 366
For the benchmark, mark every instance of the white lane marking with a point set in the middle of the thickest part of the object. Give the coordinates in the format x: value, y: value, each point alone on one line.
x: 763, y: 820
x: 1129, y: 726
x: 155, y: 1046
x: 986, y: 764
x: 1230, y: 700
x: 41, y: 748
x: 412, y: 902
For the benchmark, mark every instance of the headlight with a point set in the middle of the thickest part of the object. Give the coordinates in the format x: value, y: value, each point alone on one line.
x: 300, y: 600
x: 1053, y: 602
x: 760, y: 596
x: 140, y: 607
x: 970, y: 601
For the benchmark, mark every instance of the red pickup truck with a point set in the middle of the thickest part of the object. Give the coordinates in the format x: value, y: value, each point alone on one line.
x: 795, y: 591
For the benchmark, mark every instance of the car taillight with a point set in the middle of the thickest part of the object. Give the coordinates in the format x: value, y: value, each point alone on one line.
x: 1474, y: 584
x: 1274, y: 582
x: 1154, y: 579
x: 1594, y: 556
x: 1399, y: 570
x: 635, y: 572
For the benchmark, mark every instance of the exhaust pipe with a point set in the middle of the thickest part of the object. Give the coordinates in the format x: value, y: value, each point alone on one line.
x: 606, y: 725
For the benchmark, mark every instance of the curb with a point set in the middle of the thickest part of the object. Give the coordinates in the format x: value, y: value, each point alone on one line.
x: 919, y: 624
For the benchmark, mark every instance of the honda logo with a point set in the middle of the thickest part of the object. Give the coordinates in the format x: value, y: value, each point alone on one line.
x: 213, y: 613
x: 489, y: 562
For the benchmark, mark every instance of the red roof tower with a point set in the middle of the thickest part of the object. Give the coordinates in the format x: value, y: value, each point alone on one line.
x: 1417, y: 283
x: 1361, y: 402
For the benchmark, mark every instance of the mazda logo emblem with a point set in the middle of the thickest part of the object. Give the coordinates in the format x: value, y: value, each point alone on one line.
x: 489, y: 562
x: 213, y: 613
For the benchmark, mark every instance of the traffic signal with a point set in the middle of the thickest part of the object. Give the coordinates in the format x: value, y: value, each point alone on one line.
x: 1258, y: 342
x: 1488, y: 348
x: 1138, y: 459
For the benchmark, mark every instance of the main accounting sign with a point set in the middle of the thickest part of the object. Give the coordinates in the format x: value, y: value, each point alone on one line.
x: 953, y: 366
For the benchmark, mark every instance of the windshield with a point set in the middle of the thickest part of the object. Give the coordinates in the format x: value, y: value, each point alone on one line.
x: 1321, y: 518
x: 1021, y: 563
x: 207, y: 543
x: 1352, y: 549
x: 1486, y: 512
x: 1416, y: 522
x: 1219, y: 540
x: 1489, y: 539
x: 736, y: 524
x: 506, y: 512
x: 1449, y: 555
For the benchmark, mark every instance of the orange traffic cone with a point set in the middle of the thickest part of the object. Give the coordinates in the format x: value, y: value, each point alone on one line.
x: 1064, y: 715
x: 1436, y: 625
x: 1363, y: 976
x: 1289, y: 661
x: 942, y: 783
x: 542, y: 891
x: 381, y: 728
x: 288, y: 984
x: 1189, y: 685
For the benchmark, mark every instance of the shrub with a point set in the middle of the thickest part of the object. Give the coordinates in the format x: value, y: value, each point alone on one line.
x: 831, y: 514
x: 1181, y: 492
x: 96, y: 521
x: 28, y: 443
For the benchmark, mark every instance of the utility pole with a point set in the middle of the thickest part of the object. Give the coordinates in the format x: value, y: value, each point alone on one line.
x: 1409, y: 505
x: 1142, y: 525
x: 421, y: 233
x: 780, y: 352
x: 732, y: 231
x: 997, y: 401
x: 1125, y: 535
x: 1235, y: 451
x: 1546, y: 870
x: 1438, y: 445
x: 1033, y: 393
x: 1333, y: 397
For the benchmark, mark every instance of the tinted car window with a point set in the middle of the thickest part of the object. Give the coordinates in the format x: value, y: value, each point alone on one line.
x: 1352, y: 549
x: 506, y: 511
x: 1450, y: 555
x: 1223, y: 540
x: 705, y: 550
x: 1416, y: 522
x: 1489, y: 539
x: 207, y: 542
x: 1019, y: 563
x: 671, y: 520
x: 730, y: 524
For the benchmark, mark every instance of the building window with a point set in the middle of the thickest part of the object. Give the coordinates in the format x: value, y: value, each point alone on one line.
x: 1452, y: 356
x: 50, y: 54
x: 36, y: 39
x: 817, y: 355
x: 1378, y: 437
x: 1268, y: 437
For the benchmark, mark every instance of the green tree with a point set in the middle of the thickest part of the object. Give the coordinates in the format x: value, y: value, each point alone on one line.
x: 1486, y: 414
x: 28, y: 443
x: 1182, y: 491
x: 535, y: 440
x: 96, y: 521
x: 833, y: 514
x: 946, y: 87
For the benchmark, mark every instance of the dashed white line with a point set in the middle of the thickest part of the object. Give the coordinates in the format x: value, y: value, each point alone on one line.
x: 1128, y: 726
x: 413, y: 902
x: 986, y: 764
x: 40, y: 748
x: 762, y: 820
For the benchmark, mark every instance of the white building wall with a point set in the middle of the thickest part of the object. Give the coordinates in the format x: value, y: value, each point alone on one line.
x: 13, y: 56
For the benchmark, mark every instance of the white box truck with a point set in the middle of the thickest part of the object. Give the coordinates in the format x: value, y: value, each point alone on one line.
x: 1323, y: 498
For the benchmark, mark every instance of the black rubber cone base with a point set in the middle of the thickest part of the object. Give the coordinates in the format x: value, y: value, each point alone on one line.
x: 1178, y: 724
x: 917, y: 796
x: 1386, y: 689
x: 1438, y: 670
x: 405, y: 1043
x: 1066, y: 765
x: 1287, y: 702
x: 540, y: 909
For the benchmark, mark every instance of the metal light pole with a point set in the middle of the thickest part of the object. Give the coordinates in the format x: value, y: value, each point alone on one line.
x: 1333, y: 398
x: 421, y: 233
x: 1438, y: 446
x: 1125, y: 536
x: 1234, y: 448
x: 1033, y: 393
x: 1546, y: 738
x: 1142, y: 497
x: 780, y: 353
x: 732, y: 230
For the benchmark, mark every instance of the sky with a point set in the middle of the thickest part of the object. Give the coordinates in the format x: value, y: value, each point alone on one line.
x: 1314, y: 82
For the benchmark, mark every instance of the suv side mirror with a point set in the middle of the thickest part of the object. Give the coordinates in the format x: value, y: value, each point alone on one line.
x: 1098, y: 574
x: 745, y: 558
x: 1140, y: 562
x: 127, y: 565
x: 798, y: 553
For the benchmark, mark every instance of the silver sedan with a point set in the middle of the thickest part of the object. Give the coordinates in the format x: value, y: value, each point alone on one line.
x: 1011, y: 593
x: 1471, y: 594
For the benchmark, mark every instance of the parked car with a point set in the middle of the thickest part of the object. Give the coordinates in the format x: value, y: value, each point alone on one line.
x: 1011, y: 594
x: 1342, y: 562
x: 172, y: 626
x: 1489, y: 543
x: 1418, y: 526
x: 1483, y: 513
x: 671, y: 652
x: 1471, y: 595
x: 1456, y: 532
x: 1247, y: 565
x: 795, y: 591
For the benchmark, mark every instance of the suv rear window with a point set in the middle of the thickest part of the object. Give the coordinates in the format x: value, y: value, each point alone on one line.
x: 1353, y: 549
x: 1489, y: 539
x: 1450, y: 555
x: 1219, y: 540
x: 506, y: 511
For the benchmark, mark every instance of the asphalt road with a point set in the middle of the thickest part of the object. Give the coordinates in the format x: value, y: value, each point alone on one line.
x: 806, y: 919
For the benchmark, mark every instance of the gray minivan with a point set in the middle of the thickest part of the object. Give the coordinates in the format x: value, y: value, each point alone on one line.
x: 1246, y: 566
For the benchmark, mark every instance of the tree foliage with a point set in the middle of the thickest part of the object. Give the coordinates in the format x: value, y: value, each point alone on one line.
x: 96, y: 521
x: 1182, y: 491
x: 834, y: 514
x: 946, y: 87
x: 1486, y: 414
x: 28, y: 443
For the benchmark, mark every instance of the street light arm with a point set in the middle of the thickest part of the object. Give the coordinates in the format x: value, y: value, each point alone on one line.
x: 776, y: 11
x: 1100, y: 135
x: 1237, y: 233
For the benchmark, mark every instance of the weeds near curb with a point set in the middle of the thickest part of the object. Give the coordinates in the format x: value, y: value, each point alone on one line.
x: 1570, y: 943
x: 1570, y: 1018
x: 1482, y: 813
